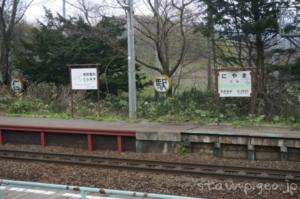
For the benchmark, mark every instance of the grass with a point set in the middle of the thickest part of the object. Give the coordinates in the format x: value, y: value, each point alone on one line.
x: 191, y: 106
x: 243, y: 122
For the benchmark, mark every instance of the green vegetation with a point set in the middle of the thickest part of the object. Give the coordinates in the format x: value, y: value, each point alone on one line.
x: 44, y: 100
x: 182, y: 149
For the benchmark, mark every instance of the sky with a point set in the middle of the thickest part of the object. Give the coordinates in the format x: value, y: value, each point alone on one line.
x: 36, y: 11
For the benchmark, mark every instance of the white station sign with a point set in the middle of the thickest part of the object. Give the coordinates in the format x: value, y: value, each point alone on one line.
x: 17, y: 86
x: 234, y: 84
x: 162, y: 84
x: 84, y: 79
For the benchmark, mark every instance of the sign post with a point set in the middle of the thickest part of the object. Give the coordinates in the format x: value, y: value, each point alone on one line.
x: 236, y: 82
x: 84, y: 77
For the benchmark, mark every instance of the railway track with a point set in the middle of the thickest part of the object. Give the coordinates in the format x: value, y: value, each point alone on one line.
x: 155, y: 166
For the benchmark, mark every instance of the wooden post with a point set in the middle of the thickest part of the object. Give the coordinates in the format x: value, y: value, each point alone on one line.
x: 98, y: 92
x: 72, y: 104
x: 71, y: 90
x: 120, y: 143
x: 253, y: 94
x: 1, y: 137
x: 90, y: 142
x: 43, y: 139
x: 217, y: 95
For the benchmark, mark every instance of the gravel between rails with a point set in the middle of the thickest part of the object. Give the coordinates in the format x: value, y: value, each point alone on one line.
x: 172, y: 157
x: 140, y: 181
x: 206, y: 187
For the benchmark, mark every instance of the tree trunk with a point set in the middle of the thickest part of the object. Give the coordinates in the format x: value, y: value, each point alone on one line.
x: 259, y: 84
x: 170, y: 92
x: 260, y: 79
x: 210, y: 49
x: 4, y: 62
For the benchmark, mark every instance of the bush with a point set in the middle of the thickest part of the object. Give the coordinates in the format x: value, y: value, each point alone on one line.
x: 55, y: 97
x: 198, y: 106
x: 21, y: 106
x: 5, y: 100
x: 186, y: 106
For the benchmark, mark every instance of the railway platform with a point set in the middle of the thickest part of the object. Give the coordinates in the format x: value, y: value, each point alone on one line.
x: 10, y: 189
x: 12, y: 192
x: 220, y: 140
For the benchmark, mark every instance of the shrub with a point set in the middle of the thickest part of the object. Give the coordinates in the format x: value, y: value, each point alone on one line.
x: 21, y: 106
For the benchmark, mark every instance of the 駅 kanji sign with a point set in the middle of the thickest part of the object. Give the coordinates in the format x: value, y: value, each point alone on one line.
x: 162, y: 84
x: 17, y: 86
x: 234, y: 84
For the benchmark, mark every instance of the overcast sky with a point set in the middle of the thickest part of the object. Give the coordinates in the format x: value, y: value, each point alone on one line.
x: 36, y: 10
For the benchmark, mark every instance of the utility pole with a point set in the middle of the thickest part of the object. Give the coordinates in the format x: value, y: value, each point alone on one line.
x: 157, y: 62
x: 210, y: 49
x: 64, y: 8
x: 131, y: 62
x: 209, y: 63
x: 156, y: 15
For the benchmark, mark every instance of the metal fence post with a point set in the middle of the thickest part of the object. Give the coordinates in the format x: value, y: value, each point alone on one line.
x: 83, y: 194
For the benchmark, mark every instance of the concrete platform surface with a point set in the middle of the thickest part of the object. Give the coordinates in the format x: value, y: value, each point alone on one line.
x: 148, y: 127
x: 246, y: 131
x: 11, y: 192
x: 91, y: 124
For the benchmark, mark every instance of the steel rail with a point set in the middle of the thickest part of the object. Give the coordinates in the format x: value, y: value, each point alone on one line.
x: 157, y: 166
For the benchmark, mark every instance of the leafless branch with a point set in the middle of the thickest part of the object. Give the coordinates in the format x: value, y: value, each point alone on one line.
x: 149, y: 66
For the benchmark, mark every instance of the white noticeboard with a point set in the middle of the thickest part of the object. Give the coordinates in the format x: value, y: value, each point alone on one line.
x: 84, y: 78
x: 234, y: 84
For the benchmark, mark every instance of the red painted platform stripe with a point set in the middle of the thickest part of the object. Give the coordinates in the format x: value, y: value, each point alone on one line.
x: 113, y: 132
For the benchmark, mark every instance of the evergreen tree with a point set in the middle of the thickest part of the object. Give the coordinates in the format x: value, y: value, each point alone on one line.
x: 60, y: 41
x: 246, y: 30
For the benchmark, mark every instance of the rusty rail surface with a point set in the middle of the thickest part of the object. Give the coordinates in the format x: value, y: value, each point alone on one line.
x: 155, y: 166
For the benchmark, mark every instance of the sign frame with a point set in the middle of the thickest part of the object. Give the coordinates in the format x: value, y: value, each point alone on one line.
x: 82, y: 66
x: 238, y: 86
x: 22, y: 86
x: 82, y: 86
x: 253, y: 94
x: 162, y: 77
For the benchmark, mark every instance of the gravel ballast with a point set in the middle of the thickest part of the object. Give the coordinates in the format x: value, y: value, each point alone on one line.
x: 206, y: 187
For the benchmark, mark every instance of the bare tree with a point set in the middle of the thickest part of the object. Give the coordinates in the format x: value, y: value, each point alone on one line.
x: 91, y: 12
x: 166, y: 31
x: 11, y: 13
